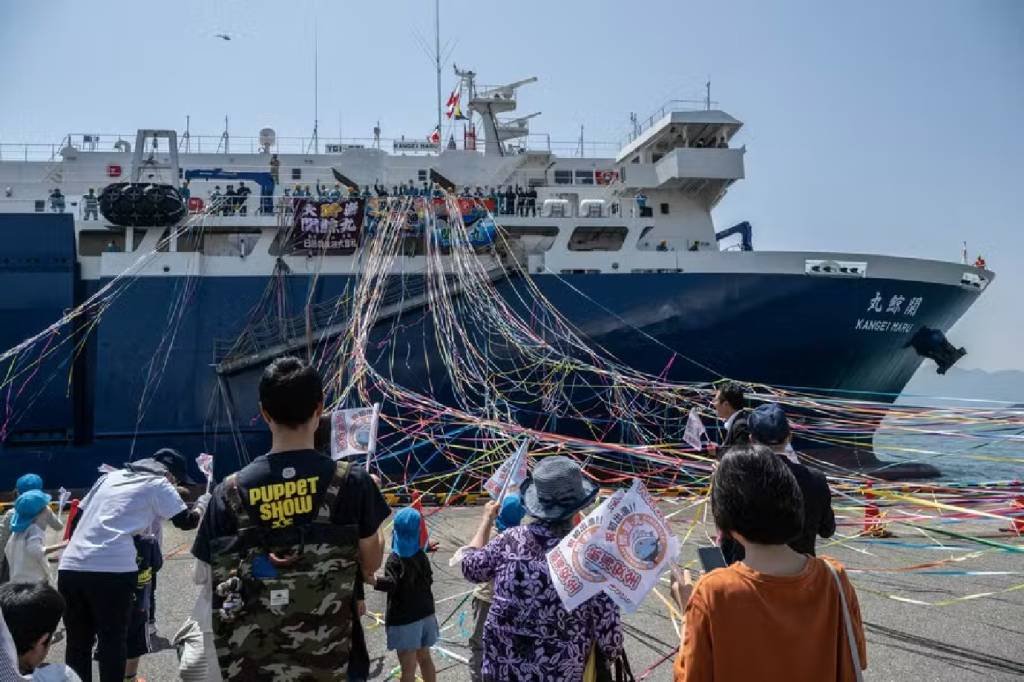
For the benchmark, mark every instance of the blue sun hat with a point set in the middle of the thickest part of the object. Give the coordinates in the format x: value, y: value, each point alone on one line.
x: 29, y: 482
x: 405, y: 538
x: 26, y: 508
x: 511, y: 513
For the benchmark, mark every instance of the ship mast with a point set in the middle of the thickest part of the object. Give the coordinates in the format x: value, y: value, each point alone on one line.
x: 437, y: 62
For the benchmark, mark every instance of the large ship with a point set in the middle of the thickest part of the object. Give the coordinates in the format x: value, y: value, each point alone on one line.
x: 622, y: 243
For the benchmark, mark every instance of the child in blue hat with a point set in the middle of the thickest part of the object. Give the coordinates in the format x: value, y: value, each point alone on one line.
x: 24, y: 484
x: 26, y: 549
x: 409, y: 620
x: 510, y: 515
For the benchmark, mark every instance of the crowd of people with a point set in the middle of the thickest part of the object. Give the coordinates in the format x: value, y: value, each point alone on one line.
x: 286, y: 547
x: 232, y: 202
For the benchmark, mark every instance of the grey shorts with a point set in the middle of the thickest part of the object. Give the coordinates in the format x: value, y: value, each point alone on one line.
x: 419, y: 635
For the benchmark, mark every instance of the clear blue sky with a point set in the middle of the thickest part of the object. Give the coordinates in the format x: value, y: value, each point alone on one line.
x: 878, y: 126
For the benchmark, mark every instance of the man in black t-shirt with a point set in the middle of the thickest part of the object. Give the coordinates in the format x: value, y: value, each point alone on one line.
x: 285, y: 487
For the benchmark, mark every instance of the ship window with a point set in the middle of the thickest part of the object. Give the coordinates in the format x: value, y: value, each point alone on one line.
x: 656, y: 158
x: 530, y: 230
x: 597, y: 238
x: 296, y: 173
x: 664, y: 209
x: 584, y: 177
x: 532, y: 238
x: 422, y: 175
x: 563, y: 177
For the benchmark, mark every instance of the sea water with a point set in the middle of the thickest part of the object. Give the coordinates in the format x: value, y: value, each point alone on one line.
x: 964, y: 446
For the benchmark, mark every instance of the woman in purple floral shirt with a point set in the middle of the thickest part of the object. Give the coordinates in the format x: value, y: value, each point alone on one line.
x: 529, y: 635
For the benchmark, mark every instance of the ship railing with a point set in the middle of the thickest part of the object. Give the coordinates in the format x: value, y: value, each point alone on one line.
x: 30, y: 151
x: 669, y: 107
x: 542, y: 142
x: 214, y: 144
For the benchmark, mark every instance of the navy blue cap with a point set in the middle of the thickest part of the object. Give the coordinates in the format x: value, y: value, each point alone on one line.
x: 768, y: 424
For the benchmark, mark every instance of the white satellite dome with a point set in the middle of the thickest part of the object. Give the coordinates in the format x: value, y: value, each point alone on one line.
x: 267, y: 138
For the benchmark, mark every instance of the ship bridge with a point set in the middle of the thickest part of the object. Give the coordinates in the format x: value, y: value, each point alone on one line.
x: 684, y: 150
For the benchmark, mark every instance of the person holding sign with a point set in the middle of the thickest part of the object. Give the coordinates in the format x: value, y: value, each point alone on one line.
x: 529, y: 634
x: 510, y: 515
x: 777, y: 614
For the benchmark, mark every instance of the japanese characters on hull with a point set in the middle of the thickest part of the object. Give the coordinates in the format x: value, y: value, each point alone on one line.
x: 893, y: 314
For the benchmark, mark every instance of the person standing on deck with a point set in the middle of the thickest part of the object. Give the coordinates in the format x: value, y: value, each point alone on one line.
x: 91, y: 204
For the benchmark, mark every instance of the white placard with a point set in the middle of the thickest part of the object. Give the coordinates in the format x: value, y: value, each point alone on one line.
x: 510, y: 475
x: 621, y: 548
x: 574, y: 579
x: 354, y: 431
x: 695, y: 431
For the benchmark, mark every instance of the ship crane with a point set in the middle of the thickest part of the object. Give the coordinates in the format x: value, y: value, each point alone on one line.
x: 489, y: 103
x: 517, y: 127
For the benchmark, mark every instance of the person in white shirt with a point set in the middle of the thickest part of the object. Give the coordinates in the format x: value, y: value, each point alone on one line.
x: 26, y: 549
x: 31, y: 612
x: 98, y: 570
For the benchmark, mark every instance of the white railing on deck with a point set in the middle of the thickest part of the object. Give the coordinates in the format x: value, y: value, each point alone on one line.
x: 671, y: 106
x: 216, y: 144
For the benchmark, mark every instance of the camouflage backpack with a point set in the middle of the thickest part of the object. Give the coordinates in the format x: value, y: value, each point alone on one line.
x: 282, y: 604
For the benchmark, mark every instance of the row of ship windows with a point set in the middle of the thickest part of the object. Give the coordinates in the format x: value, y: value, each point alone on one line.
x: 561, y: 177
x: 583, y: 238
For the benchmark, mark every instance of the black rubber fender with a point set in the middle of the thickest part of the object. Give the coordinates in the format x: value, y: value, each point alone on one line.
x: 141, y: 204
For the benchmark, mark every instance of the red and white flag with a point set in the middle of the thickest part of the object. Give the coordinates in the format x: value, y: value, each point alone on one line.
x: 453, y: 103
x: 435, y: 137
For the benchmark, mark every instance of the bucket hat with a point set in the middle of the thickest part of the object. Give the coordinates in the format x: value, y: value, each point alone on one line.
x: 556, y: 490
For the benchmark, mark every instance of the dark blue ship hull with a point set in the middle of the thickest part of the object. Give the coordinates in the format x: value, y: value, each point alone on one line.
x: 144, y: 376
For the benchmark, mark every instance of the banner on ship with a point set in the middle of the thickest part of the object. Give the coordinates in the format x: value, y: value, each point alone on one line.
x: 354, y: 431
x: 621, y: 549
x: 326, y: 227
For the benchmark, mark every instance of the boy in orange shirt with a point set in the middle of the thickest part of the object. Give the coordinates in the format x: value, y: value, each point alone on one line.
x: 777, y: 614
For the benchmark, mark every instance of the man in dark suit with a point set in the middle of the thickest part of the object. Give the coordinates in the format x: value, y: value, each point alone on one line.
x: 768, y: 426
x: 731, y: 408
